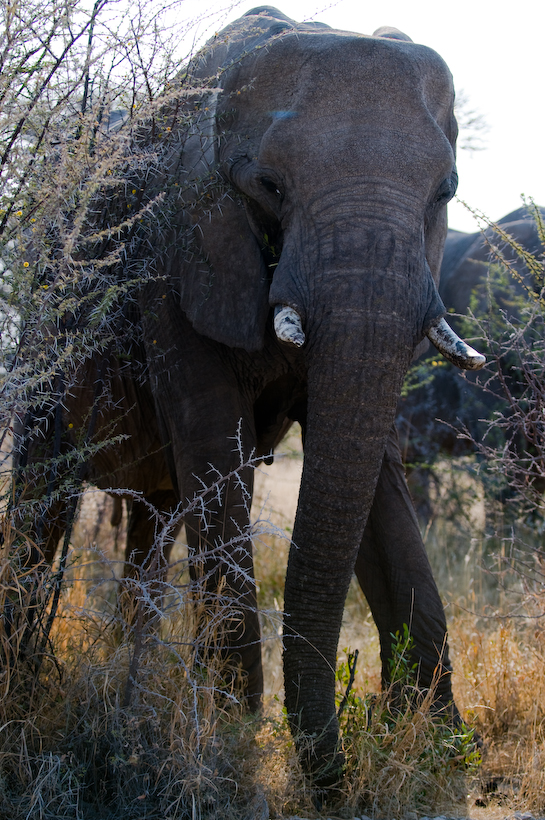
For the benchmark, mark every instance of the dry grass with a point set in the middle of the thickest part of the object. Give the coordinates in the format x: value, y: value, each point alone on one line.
x: 73, y: 746
x: 490, y: 571
x: 501, y: 683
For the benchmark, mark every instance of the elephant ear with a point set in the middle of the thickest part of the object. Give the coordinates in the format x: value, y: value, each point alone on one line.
x: 224, y: 289
x: 222, y: 276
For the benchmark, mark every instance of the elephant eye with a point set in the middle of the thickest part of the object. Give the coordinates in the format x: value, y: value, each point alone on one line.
x: 447, y: 189
x: 270, y: 186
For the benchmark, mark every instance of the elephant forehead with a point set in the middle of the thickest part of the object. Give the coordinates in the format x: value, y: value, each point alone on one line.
x: 351, y: 100
x: 298, y: 71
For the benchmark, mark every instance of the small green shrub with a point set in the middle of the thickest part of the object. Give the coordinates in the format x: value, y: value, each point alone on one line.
x: 400, y: 756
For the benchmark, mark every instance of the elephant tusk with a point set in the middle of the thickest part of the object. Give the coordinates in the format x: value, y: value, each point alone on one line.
x: 288, y: 326
x: 453, y: 348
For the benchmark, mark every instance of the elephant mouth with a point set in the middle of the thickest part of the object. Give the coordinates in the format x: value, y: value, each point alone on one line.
x: 288, y: 327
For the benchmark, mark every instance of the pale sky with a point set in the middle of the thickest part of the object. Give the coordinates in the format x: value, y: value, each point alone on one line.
x: 495, y: 51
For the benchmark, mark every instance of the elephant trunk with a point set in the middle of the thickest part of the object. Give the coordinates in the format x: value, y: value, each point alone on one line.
x: 361, y: 325
x: 354, y: 383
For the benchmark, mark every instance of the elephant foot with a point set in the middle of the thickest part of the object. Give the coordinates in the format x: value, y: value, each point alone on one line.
x: 449, y: 715
x: 444, y: 710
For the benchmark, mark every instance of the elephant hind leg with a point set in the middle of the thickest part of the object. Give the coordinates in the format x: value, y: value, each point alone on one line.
x: 395, y: 575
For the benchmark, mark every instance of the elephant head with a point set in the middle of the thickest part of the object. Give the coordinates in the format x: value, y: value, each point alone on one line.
x: 335, y: 155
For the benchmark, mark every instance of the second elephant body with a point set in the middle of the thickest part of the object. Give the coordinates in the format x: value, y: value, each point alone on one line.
x: 431, y: 416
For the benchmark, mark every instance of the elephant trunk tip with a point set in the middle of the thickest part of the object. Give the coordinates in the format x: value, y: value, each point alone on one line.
x: 288, y: 326
x: 454, y: 349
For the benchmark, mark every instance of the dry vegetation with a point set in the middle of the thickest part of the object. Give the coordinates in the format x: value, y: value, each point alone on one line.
x: 182, y: 747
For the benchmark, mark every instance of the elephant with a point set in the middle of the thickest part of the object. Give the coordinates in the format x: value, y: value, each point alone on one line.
x: 296, y: 270
x: 430, y: 416
x: 133, y: 466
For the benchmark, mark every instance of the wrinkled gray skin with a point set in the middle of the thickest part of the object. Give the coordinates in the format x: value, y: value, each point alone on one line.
x: 137, y: 462
x: 337, y: 154
x: 429, y: 417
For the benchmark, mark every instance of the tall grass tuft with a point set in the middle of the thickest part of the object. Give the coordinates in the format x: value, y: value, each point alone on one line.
x: 73, y: 744
x: 402, y: 757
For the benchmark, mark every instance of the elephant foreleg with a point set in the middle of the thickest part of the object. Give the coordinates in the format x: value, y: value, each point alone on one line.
x: 396, y: 578
x: 223, y: 573
x: 147, y: 552
x: 203, y: 414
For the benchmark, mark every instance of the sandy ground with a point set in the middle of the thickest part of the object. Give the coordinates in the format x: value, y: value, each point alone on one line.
x: 277, y: 486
